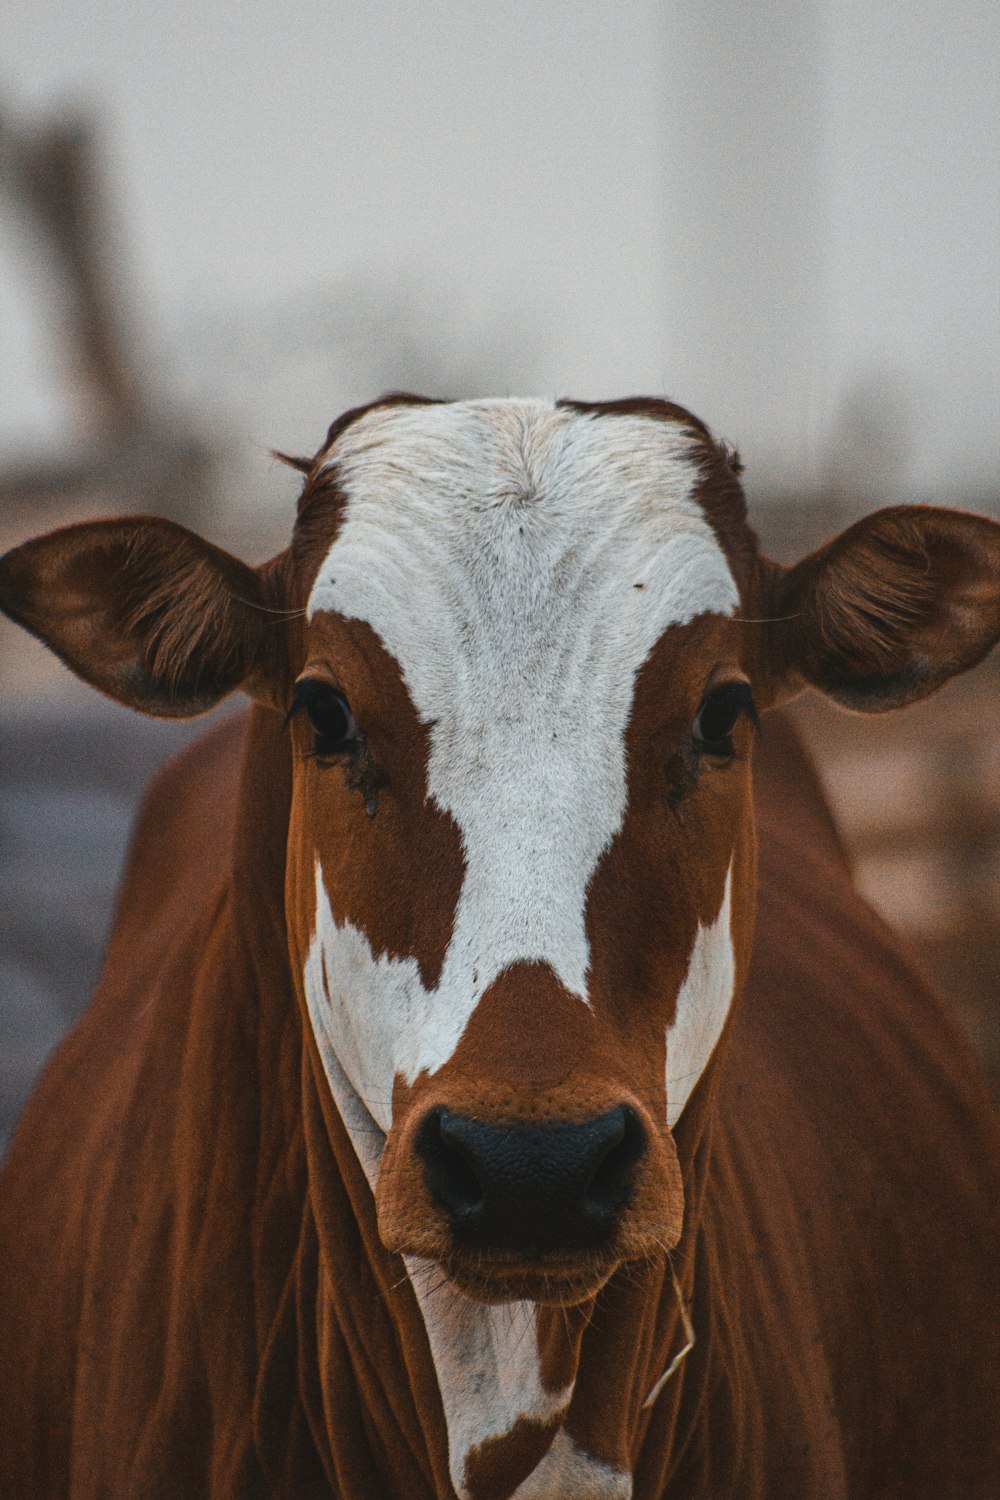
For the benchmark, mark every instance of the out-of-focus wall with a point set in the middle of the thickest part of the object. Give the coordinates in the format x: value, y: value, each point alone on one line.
x: 833, y: 223
x: 912, y: 230
x: 783, y: 215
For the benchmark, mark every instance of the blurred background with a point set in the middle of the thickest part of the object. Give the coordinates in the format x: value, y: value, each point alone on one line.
x: 221, y: 225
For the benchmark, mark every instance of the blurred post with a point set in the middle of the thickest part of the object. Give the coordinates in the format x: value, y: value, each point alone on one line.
x: 131, y: 443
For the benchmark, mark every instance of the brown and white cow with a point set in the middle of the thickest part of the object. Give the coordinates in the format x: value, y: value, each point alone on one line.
x: 426, y: 1090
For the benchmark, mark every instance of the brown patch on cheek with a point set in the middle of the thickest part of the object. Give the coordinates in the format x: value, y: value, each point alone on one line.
x: 395, y: 876
x: 300, y: 886
x: 364, y: 774
x: 664, y: 874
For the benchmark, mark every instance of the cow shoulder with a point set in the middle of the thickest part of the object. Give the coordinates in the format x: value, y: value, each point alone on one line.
x: 182, y: 843
x: 849, y: 1102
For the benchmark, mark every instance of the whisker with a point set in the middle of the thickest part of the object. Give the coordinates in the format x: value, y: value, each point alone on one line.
x: 766, y: 619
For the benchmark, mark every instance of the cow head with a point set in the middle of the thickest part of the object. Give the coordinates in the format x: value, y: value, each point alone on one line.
x: 522, y: 873
x: 521, y: 648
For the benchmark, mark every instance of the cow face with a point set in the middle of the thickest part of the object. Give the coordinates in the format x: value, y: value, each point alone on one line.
x: 520, y: 872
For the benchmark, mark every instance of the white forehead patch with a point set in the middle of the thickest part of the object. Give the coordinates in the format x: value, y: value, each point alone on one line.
x: 519, y: 561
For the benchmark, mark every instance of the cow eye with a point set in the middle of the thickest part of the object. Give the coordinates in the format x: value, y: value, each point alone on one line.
x: 718, y: 715
x: 329, y: 713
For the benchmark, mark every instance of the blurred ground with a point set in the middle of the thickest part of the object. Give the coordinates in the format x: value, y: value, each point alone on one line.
x: 69, y: 786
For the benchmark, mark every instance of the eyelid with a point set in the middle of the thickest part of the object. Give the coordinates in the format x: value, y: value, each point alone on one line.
x: 720, y: 682
x: 306, y: 680
x: 744, y: 697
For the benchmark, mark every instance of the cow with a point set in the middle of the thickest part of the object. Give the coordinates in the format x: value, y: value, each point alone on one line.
x: 460, y: 1113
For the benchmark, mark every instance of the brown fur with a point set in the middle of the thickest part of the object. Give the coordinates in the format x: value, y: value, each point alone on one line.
x: 370, y: 862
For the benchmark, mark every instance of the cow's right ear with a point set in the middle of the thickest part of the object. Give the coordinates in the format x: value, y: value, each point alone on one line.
x: 149, y: 613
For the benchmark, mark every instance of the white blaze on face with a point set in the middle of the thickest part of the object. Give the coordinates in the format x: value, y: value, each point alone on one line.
x: 702, y: 1006
x: 495, y: 547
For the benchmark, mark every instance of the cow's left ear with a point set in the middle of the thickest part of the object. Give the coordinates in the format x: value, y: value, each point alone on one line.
x: 148, y: 612
x: 888, y: 611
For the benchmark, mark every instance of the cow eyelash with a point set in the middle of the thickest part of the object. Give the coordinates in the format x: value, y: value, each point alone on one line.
x: 718, y: 716
x: 331, y: 719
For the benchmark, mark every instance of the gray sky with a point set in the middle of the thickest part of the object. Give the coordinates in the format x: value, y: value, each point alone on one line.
x: 778, y: 214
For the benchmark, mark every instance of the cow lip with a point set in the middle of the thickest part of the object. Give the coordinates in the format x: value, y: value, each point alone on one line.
x: 558, y: 1285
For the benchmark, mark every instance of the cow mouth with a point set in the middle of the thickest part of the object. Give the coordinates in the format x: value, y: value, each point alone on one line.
x: 540, y: 1211
x: 551, y: 1282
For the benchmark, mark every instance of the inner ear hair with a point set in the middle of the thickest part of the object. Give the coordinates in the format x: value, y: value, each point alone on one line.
x: 146, y: 611
x: 890, y: 610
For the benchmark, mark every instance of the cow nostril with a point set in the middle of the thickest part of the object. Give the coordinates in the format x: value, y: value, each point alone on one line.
x: 611, y: 1183
x: 531, y: 1186
x: 451, y: 1177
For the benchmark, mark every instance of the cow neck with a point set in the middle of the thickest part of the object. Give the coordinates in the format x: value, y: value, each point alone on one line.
x: 257, y: 900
